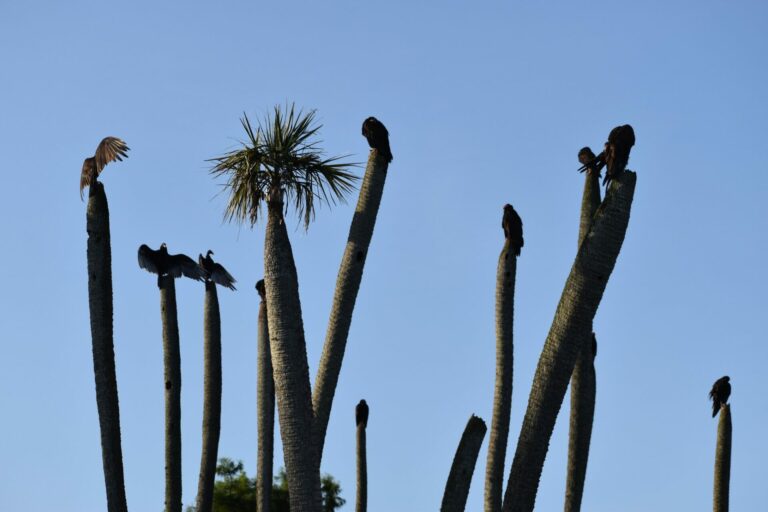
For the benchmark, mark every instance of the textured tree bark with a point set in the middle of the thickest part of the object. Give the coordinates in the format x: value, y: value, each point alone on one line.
x: 361, y: 501
x: 460, y: 477
x: 211, y: 398
x: 583, y: 378
x: 265, y: 412
x: 572, y: 323
x: 347, y: 286
x: 289, y: 360
x: 172, y: 376
x: 502, y: 398
x: 723, y: 460
x: 100, y: 303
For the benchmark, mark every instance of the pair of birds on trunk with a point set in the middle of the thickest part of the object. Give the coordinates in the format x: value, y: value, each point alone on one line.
x: 162, y: 263
x: 614, y: 157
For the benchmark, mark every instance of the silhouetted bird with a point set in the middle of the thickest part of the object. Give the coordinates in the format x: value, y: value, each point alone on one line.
x: 361, y: 414
x: 214, y: 272
x: 589, y: 161
x: 620, y: 142
x: 377, y: 136
x: 721, y: 390
x: 109, y: 150
x: 161, y: 263
x: 261, y: 289
x: 513, y: 228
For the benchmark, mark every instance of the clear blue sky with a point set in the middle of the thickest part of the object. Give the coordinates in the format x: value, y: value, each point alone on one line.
x: 484, y: 105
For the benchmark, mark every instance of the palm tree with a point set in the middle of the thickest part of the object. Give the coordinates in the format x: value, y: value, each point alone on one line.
x: 100, y: 304
x: 265, y: 409
x: 723, y: 460
x: 460, y: 476
x: 280, y: 162
x: 361, y: 422
x: 581, y: 296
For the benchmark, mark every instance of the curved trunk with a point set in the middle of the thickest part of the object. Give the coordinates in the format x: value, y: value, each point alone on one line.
x: 723, y: 460
x: 572, y: 323
x: 211, y: 398
x: 460, y: 477
x: 172, y: 376
x: 502, y: 397
x: 347, y: 286
x: 265, y: 412
x: 583, y: 378
x: 100, y: 304
x: 289, y: 361
x: 361, y: 502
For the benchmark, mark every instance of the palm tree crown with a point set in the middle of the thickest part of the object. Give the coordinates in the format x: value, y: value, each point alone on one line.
x: 282, y: 156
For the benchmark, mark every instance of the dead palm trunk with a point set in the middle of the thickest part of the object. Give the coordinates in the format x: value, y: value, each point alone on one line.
x: 347, y: 286
x: 723, y: 460
x: 583, y: 378
x: 361, y: 502
x: 502, y: 398
x: 265, y: 412
x: 211, y: 398
x: 289, y: 360
x: 100, y: 304
x: 573, y: 319
x: 172, y: 376
x: 460, y: 477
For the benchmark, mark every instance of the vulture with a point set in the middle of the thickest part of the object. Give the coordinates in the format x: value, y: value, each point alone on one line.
x: 161, y: 263
x: 615, y: 155
x: 589, y: 161
x: 513, y: 228
x: 361, y: 414
x: 109, y: 150
x: 721, y: 390
x: 377, y: 136
x: 261, y: 289
x: 214, y: 272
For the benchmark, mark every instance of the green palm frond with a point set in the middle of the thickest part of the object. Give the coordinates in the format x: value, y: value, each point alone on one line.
x: 282, y: 152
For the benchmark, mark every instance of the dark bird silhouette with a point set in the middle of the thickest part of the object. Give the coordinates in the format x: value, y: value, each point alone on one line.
x: 214, y: 272
x: 721, y: 390
x: 361, y: 414
x: 513, y: 228
x: 261, y: 289
x: 589, y: 161
x: 161, y: 263
x: 620, y: 142
x: 378, y: 137
x: 109, y: 150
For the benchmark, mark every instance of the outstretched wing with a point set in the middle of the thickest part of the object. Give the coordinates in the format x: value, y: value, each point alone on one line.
x: 109, y: 150
x: 89, y: 169
x: 148, y: 259
x: 219, y: 275
x: 181, y: 264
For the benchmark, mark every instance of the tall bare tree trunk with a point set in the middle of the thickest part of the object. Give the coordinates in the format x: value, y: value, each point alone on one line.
x: 723, y: 460
x: 265, y: 412
x: 211, y: 398
x: 347, y: 286
x: 460, y: 477
x: 502, y: 398
x: 361, y: 501
x: 583, y: 378
x: 172, y: 375
x: 100, y: 304
x: 573, y: 319
x: 289, y: 360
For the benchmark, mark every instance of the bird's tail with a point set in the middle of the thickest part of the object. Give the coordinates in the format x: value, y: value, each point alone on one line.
x: 715, y: 408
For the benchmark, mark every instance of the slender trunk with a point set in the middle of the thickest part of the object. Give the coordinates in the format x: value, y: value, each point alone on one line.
x: 172, y: 375
x: 211, y: 398
x: 265, y: 412
x: 100, y: 304
x: 723, y: 460
x: 460, y: 477
x: 583, y: 378
x: 502, y: 397
x: 289, y: 360
x: 573, y: 319
x: 361, y: 502
x: 347, y: 286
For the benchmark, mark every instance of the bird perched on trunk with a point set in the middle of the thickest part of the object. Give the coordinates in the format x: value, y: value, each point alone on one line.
x: 721, y: 390
x: 214, y: 272
x: 361, y: 414
x: 377, y: 136
x: 175, y: 265
x: 589, y: 161
x: 615, y: 155
x: 109, y: 150
x: 261, y: 289
x: 513, y: 228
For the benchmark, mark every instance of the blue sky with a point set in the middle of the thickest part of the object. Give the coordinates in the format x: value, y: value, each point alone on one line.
x: 485, y: 105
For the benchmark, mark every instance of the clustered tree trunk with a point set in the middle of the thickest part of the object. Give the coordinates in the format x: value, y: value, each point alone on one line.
x: 460, y: 477
x: 100, y: 304
x: 265, y: 414
x: 723, y: 460
x: 211, y: 398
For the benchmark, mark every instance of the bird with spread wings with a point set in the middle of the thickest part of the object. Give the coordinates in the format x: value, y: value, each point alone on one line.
x: 109, y: 150
x: 215, y: 272
x: 175, y: 265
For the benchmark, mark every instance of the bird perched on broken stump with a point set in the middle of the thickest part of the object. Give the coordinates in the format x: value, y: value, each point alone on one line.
x: 261, y: 289
x: 175, y: 265
x: 721, y: 390
x: 109, y: 150
x: 513, y: 228
x: 361, y: 414
x: 215, y: 272
x: 614, y: 157
x: 378, y: 137
x: 589, y: 161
